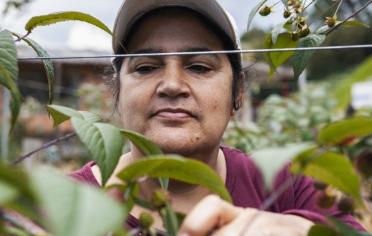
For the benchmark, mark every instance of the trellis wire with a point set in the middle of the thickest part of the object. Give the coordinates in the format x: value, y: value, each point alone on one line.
x: 242, y: 51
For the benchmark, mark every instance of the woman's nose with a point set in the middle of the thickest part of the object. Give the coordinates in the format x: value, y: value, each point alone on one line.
x: 174, y: 83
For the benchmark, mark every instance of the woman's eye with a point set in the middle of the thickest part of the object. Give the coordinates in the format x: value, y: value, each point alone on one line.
x: 146, y: 69
x: 199, y: 68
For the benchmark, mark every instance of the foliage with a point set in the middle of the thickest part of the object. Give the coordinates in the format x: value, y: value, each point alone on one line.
x: 296, y: 31
x: 63, y: 207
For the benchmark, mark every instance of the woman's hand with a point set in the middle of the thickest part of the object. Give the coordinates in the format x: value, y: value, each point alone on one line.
x: 214, y: 216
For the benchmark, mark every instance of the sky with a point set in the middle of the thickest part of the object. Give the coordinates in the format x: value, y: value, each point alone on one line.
x: 77, y: 35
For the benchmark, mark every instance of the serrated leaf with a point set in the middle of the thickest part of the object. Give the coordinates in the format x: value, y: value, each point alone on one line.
x: 284, y: 40
x: 271, y: 160
x: 334, y: 133
x: 9, y: 72
x: 74, y: 209
x: 104, y: 141
x: 57, y: 17
x: 301, y: 58
x: 142, y: 143
x: 175, y: 167
x: 253, y: 12
x: 48, y: 64
x: 61, y: 113
x: 331, y: 168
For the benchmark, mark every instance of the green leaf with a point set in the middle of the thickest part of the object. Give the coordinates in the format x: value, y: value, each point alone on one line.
x: 147, y: 148
x: 142, y: 143
x: 61, y: 113
x: 335, y: 133
x: 104, y: 142
x: 271, y: 160
x: 48, y: 64
x: 53, y: 18
x: 175, y: 167
x: 276, y: 59
x: 16, y: 192
x: 342, y: 91
x: 345, y: 230
x: 301, y: 58
x: 9, y: 72
x: 253, y: 12
x: 331, y: 168
x: 74, y: 209
x: 8, y: 192
x: 321, y: 230
x: 275, y: 32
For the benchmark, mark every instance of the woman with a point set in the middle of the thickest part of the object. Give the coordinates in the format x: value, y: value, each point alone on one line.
x: 184, y: 103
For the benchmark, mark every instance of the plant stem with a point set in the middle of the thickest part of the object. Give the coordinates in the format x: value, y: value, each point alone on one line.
x: 44, y: 146
x: 21, y: 222
x: 348, y: 18
x: 338, y: 8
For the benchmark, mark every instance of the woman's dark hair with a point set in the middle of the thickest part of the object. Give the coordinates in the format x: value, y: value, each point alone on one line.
x: 234, y: 58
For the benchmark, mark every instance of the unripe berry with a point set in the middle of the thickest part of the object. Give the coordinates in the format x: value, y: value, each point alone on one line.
x: 325, y: 200
x: 294, y: 36
x: 266, y: 10
x: 330, y: 21
x: 305, y: 31
x: 145, y: 220
x: 160, y: 198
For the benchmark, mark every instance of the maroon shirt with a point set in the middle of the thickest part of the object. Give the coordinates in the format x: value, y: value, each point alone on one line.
x: 245, y: 184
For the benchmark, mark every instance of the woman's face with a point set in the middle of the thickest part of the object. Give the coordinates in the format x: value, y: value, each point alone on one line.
x: 182, y: 103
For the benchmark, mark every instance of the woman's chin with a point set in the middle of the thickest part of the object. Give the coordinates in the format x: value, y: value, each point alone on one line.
x: 177, y: 142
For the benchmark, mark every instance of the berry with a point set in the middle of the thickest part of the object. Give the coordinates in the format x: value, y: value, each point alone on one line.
x: 330, y: 21
x: 159, y: 199
x: 294, y: 36
x: 266, y: 10
x: 363, y: 163
x: 305, y: 31
x: 346, y: 205
x: 325, y: 200
x: 146, y: 220
x: 320, y: 185
x: 286, y: 14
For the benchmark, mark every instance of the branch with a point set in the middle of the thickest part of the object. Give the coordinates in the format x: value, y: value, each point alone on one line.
x: 20, y: 221
x: 348, y: 18
x: 44, y: 146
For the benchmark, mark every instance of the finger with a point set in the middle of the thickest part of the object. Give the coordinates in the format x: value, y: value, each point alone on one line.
x: 239, y: 225
x: 210, y: 213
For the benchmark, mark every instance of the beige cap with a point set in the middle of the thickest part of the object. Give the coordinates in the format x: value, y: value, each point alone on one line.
x: 133, y: 10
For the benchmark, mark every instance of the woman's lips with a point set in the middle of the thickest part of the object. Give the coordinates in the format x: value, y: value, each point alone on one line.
x: 173, y: 114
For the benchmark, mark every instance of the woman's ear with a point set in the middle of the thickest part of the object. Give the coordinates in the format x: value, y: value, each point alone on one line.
x: 239, y: 96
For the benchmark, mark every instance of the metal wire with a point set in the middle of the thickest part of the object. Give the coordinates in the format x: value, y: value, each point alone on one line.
x: 200, y: 52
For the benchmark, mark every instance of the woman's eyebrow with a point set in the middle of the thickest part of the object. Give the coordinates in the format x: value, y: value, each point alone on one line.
x: 187, y: 49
